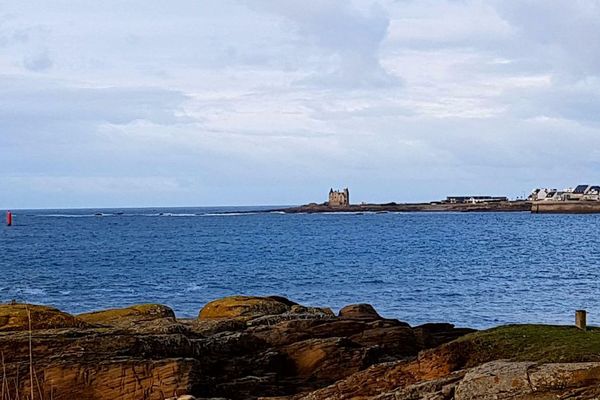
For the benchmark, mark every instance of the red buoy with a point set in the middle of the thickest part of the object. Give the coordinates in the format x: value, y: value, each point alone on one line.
x: 8, y: 218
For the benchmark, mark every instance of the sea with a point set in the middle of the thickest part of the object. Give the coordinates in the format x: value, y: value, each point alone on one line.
x: 470, y: 269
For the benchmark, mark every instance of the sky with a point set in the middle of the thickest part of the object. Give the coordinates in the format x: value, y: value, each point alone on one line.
x: 120, y: 103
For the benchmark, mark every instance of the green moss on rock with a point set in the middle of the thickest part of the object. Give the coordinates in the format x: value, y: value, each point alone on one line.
x: 13, y: 317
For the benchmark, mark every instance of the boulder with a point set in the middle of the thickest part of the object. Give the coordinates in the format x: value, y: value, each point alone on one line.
x: 359, y: 311
x: 560, y: 376
x: 133, y: 314
x: 495, y: 380
x: 150, y: 318
x: 437, y: 389
x: 242, y: 307
x: 14, y: 317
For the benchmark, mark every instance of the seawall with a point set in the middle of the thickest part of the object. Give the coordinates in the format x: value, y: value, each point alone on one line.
x: 565, y: 207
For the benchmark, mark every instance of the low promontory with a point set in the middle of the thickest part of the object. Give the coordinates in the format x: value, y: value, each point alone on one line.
x: 501, y: 206
x: 245, y: 347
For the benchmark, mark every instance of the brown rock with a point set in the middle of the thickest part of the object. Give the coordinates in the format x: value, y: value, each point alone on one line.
x: 120, y: 380
x: 560, y: 376
x: 359, y: 311
x: 242, y: 306
x: 298, y: 309
x: 437, y: 389
x: 14, y: 317
x: 495, y: 380
x: 325, y: 360
x: 134, y: 314
x: 149, y: 318
x: 392, y: 342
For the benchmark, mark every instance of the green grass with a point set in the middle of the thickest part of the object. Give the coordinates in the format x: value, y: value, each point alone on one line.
x: 543, y: 343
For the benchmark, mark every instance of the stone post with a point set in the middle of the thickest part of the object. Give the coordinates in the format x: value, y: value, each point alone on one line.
x: 581, y: 319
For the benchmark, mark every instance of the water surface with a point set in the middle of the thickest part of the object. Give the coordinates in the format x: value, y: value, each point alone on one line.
x: 472, y: 269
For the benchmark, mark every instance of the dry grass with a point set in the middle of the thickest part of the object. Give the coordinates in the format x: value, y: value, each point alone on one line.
x: 5, y: 384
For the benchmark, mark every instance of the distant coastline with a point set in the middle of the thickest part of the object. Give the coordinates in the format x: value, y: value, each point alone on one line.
x: 505, y: 206
x: 583, y: 199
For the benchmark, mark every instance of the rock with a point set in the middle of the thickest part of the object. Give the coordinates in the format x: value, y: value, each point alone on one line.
x: 150, y: 318
x: 267, y: 348
x: 359, y: 311
x: 434, y: 334
x: 561, y: 376
x: 137, y: 313
x: 119, y: 380
x: 298, y: 309
x: 14, y: 317
x: 326, y: 360
x: 283, y: 300
x: 392, y: 342
x: 208, y: 327
x: 499, y: 380
x: 296, y: 330
x: 495, y: 380
x: 437, y: 389
x: 242, y: 306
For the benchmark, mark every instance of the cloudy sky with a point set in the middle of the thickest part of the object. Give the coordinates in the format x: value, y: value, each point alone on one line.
x: 224, y: 102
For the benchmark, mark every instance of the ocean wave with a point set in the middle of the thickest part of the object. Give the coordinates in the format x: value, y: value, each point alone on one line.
x: 194, y: 288
x: 229, y: 214
x: 177, y: 215
x: 66, y: 215
x: 165, y: 214
x: 30, y: 291
x: 75, y: 215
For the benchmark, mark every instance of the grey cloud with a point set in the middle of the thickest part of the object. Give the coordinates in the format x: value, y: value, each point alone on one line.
x: 22, y: 100
x: 562, y: 33
x: 346, y: 41
x: 38, y: 63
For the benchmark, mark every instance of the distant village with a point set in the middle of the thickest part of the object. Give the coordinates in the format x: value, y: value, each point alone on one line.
x: 580, y: 193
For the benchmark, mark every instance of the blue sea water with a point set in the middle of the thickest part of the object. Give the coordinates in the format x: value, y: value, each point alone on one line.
x: 471, y: 269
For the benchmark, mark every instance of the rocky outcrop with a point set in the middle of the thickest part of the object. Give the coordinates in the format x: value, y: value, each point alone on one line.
x: 244, y: 306
x: 148, y: 318
x: 123, y: 316
x: 469, y: 368
x: 269, y: 347
x: 239, y: 348
x: 359, y: 311
x: 15, y: 317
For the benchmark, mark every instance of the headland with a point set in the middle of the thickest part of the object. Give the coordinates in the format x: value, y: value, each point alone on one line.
x: 244, y: 347
x: 504, y: 206
x: 583, y: 199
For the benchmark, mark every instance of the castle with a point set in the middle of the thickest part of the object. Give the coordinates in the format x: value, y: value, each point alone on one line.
x: 339, y: 198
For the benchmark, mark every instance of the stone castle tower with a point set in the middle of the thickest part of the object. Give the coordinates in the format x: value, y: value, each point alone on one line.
x: 339, y: 198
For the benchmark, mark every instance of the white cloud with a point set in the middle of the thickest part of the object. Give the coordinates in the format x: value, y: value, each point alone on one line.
x: 230, y: 101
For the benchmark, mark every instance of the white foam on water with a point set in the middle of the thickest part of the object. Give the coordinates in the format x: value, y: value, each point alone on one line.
x: 31, y: 291
x: 177, y: 215
x: 194, y: 287
x: 66, y: 215
x: 229, y: 214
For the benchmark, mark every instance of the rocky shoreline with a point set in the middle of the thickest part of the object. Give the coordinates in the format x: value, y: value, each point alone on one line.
x: 244, y: 347
x: 504, y: 206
